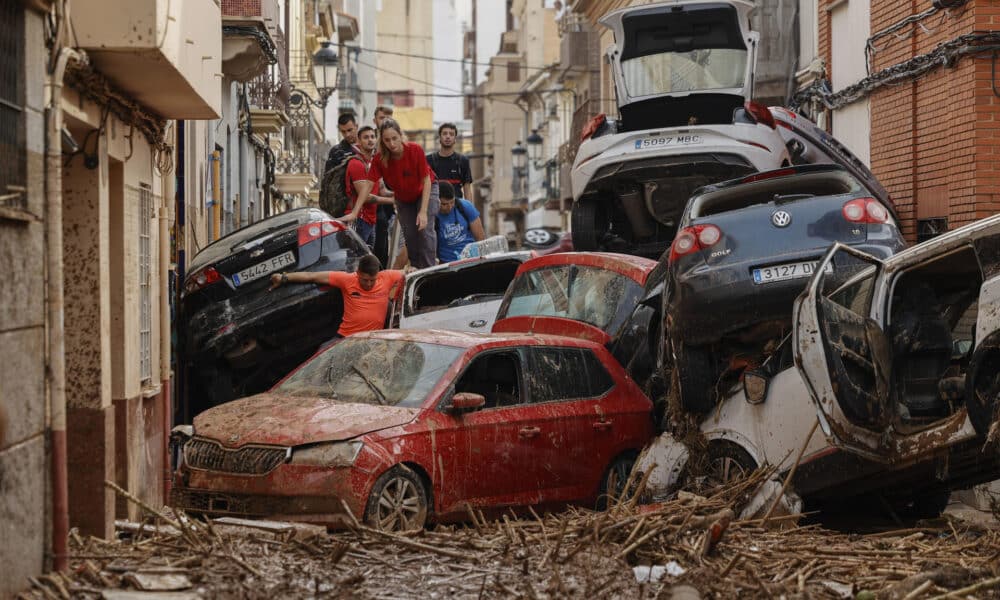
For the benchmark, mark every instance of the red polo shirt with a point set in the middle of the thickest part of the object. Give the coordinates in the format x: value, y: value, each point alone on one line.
x: 357, y: 171
x: 405, y: 175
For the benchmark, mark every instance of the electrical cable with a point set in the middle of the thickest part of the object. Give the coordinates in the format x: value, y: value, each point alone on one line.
x: 460, y: 60
x: 945, y: 54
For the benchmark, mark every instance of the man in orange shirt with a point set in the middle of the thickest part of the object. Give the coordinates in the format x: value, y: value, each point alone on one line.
x: 366, y: 292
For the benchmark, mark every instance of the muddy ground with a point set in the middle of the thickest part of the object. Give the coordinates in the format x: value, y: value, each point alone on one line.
x: 692, y: 540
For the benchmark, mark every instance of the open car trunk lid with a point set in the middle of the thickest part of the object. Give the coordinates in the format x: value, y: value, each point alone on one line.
x: 683, y: 48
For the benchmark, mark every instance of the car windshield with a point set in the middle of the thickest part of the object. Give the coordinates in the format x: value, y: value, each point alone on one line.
x: 596, y: 296
x: 676, y: 72
x: 373, y: 371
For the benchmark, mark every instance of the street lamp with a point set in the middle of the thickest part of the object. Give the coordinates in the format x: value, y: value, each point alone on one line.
x: 326, y: 70
x: 535, y: 147
x: 519, y: 156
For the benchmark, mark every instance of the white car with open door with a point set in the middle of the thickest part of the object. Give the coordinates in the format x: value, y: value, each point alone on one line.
x: 900, y: 366
x: 684, y: 75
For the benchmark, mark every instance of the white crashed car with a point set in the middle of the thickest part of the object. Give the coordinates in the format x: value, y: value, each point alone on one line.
x: 900, y: 369
x: 684, y: 74
x: 463, y: 295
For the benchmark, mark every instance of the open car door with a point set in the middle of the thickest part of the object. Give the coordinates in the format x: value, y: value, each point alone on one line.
x: 846, y: 358
x: 844, y: 355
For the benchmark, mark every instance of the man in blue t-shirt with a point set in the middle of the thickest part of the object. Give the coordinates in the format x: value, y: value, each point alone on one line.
x: 458, y: 224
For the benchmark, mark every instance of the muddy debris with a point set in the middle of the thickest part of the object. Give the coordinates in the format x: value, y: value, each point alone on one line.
x: 690, y: 546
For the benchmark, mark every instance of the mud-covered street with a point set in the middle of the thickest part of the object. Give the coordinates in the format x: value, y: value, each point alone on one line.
x: 687, y: 548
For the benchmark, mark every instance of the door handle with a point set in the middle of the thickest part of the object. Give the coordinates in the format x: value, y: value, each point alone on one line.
x: 603, y: 425
x: 529, y: 432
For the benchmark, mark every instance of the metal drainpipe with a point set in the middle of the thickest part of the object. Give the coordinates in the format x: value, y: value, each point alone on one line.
x: 165, y: 199
x: 244, y: 182
x: 56, y: 321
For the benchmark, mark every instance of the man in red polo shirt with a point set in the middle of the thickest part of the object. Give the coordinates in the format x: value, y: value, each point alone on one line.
x: 362, y: 203
x: 366, y: 292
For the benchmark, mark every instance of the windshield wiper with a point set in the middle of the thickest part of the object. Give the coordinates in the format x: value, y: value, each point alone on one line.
x: 371, y: 384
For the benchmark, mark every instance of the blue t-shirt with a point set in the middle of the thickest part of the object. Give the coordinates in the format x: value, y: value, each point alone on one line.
x: 453, y: 230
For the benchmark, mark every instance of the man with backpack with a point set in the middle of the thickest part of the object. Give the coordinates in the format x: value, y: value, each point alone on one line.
x: 448, y: 165
x: 458, y: 224
x: 359, y: 189
x: 347, y: 125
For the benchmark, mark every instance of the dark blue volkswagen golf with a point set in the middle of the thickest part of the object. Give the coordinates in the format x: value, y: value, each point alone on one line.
x: 744, y: 250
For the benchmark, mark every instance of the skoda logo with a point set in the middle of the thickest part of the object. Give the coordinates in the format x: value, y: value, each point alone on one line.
x: 781, y: 219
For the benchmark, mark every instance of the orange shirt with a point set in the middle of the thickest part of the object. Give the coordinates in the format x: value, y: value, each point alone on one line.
x: 364, y: 310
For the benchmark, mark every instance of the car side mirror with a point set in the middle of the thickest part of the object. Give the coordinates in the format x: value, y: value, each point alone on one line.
x: 755, y: 384
x: 467, y: 401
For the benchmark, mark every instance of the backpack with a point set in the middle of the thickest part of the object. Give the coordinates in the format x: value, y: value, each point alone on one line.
x: 333, y: 190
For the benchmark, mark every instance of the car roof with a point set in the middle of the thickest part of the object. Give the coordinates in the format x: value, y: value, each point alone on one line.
x: 636, y: 268
x: 464, y: 339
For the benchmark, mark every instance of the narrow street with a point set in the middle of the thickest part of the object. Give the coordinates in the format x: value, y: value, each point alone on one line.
x: 680, y: 299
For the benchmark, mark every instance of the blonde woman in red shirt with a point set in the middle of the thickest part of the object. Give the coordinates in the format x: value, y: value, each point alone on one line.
x: 403, y: 166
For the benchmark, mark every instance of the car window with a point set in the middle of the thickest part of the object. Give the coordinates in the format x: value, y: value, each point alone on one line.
x: 596, y: 296
x: 671, y: 72
x: 354, y: 248
x: 373, y: 371
x: 555, y: 374
x: 222, y: 246
x: 495, y: 375
x: 773, y: 190
x: 856, y: 294
x: 471, y: 284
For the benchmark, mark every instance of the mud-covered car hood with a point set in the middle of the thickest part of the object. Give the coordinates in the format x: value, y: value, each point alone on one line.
x: 291, y: 421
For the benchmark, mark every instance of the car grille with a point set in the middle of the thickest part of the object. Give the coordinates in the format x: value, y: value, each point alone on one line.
x: 248, y: 460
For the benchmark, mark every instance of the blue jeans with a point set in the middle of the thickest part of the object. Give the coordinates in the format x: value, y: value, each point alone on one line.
x: 366, y: 231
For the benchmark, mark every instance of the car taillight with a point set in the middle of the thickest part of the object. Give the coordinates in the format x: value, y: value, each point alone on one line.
x: 693, y: 239
x: 313, y: 231
x: 865, y: 210
x: 760, y: 113
x: 592, y: 126
x: 200, y: 279
x: 768, y: 175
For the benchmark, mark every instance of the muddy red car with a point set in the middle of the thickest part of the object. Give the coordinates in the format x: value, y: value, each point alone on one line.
x: 402, y: 428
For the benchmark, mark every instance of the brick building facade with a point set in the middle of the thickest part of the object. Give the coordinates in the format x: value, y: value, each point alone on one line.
x: 933, y: 137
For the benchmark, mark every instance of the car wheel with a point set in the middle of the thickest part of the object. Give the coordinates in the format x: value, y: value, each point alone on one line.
x: 614, y: 481
x: 398, y: 501
x: 539, y: 238
x: 696, y: 377
x: 728, y: 462
x: 590, y: 223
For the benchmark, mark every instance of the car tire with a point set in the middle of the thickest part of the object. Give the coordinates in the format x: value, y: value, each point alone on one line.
x: 696, y: 377
x: 614, y: 480
x: 590, y: 223
x: 539, y: 238
x: 728, y: 462
x: 398, y: 501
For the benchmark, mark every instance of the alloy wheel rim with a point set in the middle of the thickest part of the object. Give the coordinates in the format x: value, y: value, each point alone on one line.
x: 536, y: 237
x: 399, y: 506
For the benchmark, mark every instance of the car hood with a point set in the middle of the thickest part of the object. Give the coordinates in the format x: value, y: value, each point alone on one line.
x: 291, y: 421
x: 656, y: 38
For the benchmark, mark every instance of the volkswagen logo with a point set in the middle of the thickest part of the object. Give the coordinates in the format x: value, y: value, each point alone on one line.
x: 781, y: 219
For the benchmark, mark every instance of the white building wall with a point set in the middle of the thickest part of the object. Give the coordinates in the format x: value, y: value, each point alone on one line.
x: 448, y: 70
x: 850, y: 27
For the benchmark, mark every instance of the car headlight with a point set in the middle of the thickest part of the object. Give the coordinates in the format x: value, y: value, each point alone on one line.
x: 335, y: 454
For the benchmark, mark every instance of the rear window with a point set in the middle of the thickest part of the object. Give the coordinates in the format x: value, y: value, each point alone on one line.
x: 773, y: 190
x: 473, y: 283
x: 223, y: 246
